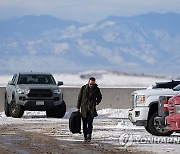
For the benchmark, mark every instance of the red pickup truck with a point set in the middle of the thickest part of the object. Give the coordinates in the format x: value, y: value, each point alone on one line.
x: 173, y: 119
x: 168, y: 115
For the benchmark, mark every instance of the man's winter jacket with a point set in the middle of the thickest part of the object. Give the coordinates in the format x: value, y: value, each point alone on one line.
x: 88, y: 99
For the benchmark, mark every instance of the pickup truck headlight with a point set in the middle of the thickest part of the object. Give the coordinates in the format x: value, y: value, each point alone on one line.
x: 57, y: 91
x: 140, y: 99
x: 177, y: 108
x: 23, y: 91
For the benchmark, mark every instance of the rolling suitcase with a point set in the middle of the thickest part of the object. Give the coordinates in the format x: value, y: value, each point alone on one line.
x: 75, y: 122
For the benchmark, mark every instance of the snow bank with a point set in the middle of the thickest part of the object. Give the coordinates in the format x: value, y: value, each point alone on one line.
x: 102, y: 114
x: 113, y: 113
x: 105, y: 113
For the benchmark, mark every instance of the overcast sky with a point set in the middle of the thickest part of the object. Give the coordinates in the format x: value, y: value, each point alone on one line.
x: 85, y: 10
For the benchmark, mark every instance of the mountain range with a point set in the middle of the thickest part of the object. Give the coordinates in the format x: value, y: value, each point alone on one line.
x: 148, y: 43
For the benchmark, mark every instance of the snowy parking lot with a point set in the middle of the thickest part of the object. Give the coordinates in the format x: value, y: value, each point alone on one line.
x: 113, y: 133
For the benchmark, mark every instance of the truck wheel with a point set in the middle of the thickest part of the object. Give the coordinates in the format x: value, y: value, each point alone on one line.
x: 15, y: 110
x: 6, y: 107
x: 155, y: 129
x: 62, y: 109
x: 49, y: 113
x: 58, y: 112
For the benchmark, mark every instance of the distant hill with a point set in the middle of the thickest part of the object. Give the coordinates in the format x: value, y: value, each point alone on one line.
x: 104, y: 78
x: 148, y: 43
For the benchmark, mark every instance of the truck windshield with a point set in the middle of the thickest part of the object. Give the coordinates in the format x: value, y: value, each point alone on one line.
x: 35, y: 79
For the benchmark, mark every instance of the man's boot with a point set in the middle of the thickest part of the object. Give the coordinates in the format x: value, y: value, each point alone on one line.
x: 85, y: 138
x: 89, y: 138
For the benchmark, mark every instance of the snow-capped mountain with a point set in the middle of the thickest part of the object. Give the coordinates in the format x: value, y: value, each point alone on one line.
x: 148, y: 43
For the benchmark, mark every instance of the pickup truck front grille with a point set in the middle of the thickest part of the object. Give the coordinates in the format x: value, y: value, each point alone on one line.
x: 40, y: 93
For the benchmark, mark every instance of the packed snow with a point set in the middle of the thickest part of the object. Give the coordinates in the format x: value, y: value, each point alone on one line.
x: 111, y: 126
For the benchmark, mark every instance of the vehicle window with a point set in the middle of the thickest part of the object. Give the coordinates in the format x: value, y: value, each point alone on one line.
x: 13, y: 78
x: 169, y: 85
x: 36, y: 79
x: 165, y: 85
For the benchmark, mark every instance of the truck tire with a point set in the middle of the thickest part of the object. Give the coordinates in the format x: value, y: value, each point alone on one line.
x: 6, y: 107
x: 155, y: 129
x: 62, y: 110
x: 58, y: 112
x: 15, y: 110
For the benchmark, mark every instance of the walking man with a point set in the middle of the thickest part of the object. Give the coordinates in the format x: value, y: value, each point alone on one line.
x: 89, y: 96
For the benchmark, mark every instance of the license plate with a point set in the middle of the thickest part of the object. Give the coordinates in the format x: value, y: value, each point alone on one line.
x: 39, y: 102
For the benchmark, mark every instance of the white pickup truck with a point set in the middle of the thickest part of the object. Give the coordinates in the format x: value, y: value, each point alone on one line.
x: 145, y: 108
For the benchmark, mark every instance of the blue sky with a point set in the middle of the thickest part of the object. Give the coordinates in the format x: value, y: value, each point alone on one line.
x: 85, y: 11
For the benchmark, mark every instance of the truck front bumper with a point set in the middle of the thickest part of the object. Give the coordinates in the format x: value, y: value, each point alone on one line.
x: 39, y: 104
x: 138, y: 116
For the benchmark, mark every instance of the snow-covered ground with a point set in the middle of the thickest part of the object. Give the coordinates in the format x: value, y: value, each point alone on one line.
x: 104, y: 79
x: 111, y: 126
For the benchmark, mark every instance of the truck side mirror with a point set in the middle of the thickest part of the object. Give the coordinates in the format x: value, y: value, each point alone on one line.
x: 60, y: 83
